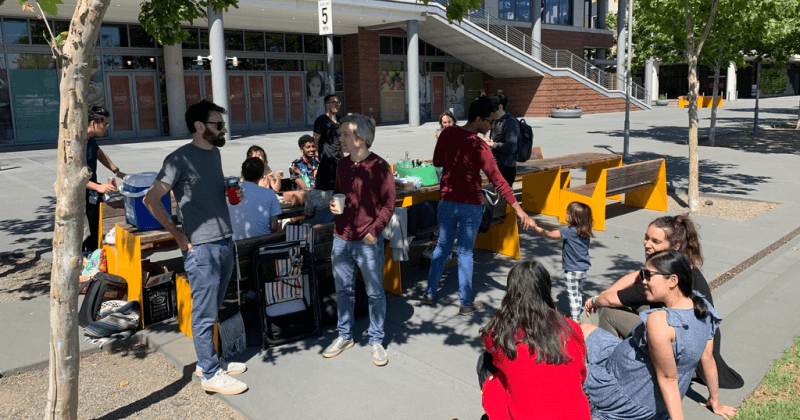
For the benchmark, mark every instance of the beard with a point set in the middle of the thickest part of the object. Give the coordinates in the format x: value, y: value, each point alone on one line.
x: 218, y: 140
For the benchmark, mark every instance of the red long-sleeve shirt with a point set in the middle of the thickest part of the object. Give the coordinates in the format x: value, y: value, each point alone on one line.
x: 462, y: 156
x: 524, y: 389
x: 370, y: 191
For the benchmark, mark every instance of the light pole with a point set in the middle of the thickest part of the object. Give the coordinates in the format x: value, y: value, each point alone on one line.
x: 626, y: 153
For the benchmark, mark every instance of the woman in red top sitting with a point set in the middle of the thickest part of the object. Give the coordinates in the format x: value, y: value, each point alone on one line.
x: 539, y: 356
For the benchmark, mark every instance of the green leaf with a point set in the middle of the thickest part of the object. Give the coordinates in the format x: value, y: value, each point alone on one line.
x: 50, y: 6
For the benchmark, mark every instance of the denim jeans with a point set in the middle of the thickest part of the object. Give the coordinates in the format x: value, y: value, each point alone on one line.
x: 466, y: 218
x: 346, y: 258
x: 209, y: 268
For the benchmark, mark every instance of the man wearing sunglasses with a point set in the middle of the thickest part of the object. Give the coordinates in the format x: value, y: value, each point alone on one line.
x: 194, y: 173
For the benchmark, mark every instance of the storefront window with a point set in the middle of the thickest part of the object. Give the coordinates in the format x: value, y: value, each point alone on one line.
x: 234, y: 41
x: 39, y: 33
x: 254, y: 41
x: 250, y: 64
x: 283, y: 65
x: 519, y: 10
x: 203, y: 39
x: 337, y: 45
x: 386, y: 45
x: 114, y: 36
x: 140, y: 38
x: 274, y: 42
x: 314, y: 44
x: 557, y: 12
x: 96, y: 91
x: 398, y: 45
x: 15, y: 31
x: 34, y: 82
x: 294, y: 43
x: 190, y: 63
x: 314, y: 65
x: 192, y: 42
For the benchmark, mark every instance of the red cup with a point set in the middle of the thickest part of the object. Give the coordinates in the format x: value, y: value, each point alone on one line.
x: 232, y: 188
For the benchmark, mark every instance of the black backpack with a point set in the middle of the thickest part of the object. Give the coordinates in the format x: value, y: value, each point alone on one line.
x: 524, y: 141
x: 103, y: 287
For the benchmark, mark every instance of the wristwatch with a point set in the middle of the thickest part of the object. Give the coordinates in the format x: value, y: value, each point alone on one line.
x: 594, y: 305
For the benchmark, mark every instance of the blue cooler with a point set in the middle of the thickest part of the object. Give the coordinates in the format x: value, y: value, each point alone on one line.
x: 134, y: 188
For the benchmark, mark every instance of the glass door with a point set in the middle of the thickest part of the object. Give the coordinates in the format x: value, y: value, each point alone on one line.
x: 286, y: 100
x: 134, y: 105
x: 437, y: 107
x: 248, y: 107
x: 256, y: 100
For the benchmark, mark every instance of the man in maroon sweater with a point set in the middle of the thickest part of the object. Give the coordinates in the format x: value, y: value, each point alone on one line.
x: 367, y: 182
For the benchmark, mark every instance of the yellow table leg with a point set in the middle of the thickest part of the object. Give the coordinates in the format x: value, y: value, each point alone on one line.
x: 392, y: 279
x: 540, y: 192
x: 502, y: 238
x: 129, y: 263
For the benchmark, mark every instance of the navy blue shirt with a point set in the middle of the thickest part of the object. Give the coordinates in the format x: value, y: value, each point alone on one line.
x: 91, y: 160
x: 575, y: 252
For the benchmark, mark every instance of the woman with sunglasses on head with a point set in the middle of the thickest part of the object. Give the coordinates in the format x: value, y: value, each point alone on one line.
x: 618, y: 306
x: 646, y: 375
x: 535, y: 360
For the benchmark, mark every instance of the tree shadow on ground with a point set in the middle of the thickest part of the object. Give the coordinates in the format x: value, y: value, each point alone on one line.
x: 162, y: 394
x: 35, y: 283
x: 767, y: 141
x: 23, y: 231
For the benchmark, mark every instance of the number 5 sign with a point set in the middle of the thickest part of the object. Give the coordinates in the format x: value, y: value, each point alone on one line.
x: 325, y: 18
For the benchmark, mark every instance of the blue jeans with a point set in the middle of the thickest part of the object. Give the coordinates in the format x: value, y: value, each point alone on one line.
x: 209, y: 268
x: 346, y: 258
x: 466, y: 218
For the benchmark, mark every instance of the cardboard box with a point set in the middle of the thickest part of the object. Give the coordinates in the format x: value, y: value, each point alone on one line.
x: 160, y: 299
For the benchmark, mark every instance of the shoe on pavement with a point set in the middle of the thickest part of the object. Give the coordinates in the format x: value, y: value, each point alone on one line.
x: 468, y: 309
x: 222, y: 383
x: 379, y: 355
x: 231, y: 368
x: 339, y: 345
x: 427, y: 299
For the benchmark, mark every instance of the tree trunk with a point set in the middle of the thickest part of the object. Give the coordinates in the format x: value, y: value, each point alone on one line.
x: 70, y: 189
x: 713, y: 131
x: 694, y: 183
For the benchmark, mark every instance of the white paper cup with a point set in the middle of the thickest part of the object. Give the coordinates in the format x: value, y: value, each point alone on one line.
x: 338, y: 206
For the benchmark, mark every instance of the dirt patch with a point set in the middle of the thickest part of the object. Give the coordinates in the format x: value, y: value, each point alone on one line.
x: 133, y: 383
x: 23, y: 276
x: 720, y: 207
x: 782, y: 138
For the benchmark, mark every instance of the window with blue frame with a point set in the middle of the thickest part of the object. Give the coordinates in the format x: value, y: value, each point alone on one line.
x: 557, y: 12
x: 519, y: 10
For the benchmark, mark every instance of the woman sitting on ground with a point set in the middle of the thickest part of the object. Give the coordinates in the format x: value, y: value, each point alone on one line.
x: 538, y: 355
x: 447, y: 119
x: 662, y: 352
x: 618, y: 305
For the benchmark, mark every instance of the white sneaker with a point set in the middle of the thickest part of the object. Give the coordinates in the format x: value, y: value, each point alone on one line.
x: 231, y: 368
x: 222, y: 383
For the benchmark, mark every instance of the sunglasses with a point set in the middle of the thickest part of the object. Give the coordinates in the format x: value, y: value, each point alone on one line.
x: 220, y: 124
x: 489, y: 120
x: 646, y: 274
x: 335, y: 102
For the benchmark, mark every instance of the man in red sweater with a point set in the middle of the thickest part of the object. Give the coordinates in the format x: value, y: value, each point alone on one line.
x: 366, y: 181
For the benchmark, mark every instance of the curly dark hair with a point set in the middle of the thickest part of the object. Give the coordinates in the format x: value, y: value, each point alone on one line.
x: 527, y: 315
x: 680, y: 230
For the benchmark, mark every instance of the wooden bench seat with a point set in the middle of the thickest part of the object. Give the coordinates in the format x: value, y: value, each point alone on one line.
x: 644, y: 185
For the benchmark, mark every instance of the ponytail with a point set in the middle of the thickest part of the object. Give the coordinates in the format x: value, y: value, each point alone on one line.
x: 700, y: 308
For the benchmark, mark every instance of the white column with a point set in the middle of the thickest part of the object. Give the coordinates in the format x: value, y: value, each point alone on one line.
x: 730, y: 83
x: 176, y: 94
x: 649, y: 73
x: 331, y: 77
x: 219, y: 75
x: 412, y: 73
x: 621, y: 36
x: 536, y: 28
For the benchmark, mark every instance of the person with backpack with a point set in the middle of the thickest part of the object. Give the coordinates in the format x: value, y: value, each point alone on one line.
x: 503, y: 138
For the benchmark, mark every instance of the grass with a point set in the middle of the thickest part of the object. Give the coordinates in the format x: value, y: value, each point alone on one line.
x: 778, y: 397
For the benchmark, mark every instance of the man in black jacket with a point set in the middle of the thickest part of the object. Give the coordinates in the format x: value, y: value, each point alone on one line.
x: 503, y: 138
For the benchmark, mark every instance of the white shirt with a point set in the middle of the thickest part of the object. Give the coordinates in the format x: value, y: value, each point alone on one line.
x: 250, y: 218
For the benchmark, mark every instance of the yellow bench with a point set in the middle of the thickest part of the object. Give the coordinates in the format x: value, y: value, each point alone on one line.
x: 702, y: 101
x: 644, y: 185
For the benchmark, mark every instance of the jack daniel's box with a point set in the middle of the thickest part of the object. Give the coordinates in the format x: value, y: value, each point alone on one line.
x: 160, y: 301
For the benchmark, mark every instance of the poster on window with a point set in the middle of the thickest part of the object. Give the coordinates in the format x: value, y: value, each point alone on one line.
x: 454, y: 97
x: 425, y: 96
x: 315, y: 96
x: 393, y: 96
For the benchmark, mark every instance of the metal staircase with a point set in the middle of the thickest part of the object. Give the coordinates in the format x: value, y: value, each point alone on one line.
x: 504, y: 51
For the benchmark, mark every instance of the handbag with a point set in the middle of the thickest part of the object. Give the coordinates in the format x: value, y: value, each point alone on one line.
x: 491, y: 198
x: 231, y: 330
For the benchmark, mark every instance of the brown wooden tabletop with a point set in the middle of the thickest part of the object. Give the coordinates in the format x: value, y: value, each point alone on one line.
x: 575, y: 160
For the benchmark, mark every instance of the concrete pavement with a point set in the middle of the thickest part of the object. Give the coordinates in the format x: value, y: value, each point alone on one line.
x: 431, y: 373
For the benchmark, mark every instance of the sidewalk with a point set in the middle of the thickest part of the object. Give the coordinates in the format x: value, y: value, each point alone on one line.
x: 433, y: 352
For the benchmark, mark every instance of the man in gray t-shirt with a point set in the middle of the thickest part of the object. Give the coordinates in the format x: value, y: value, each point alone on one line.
x: 194, y: 174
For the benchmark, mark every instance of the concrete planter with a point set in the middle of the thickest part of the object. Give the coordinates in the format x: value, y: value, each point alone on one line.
x: 566, y: 113
x: 662, y: 102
